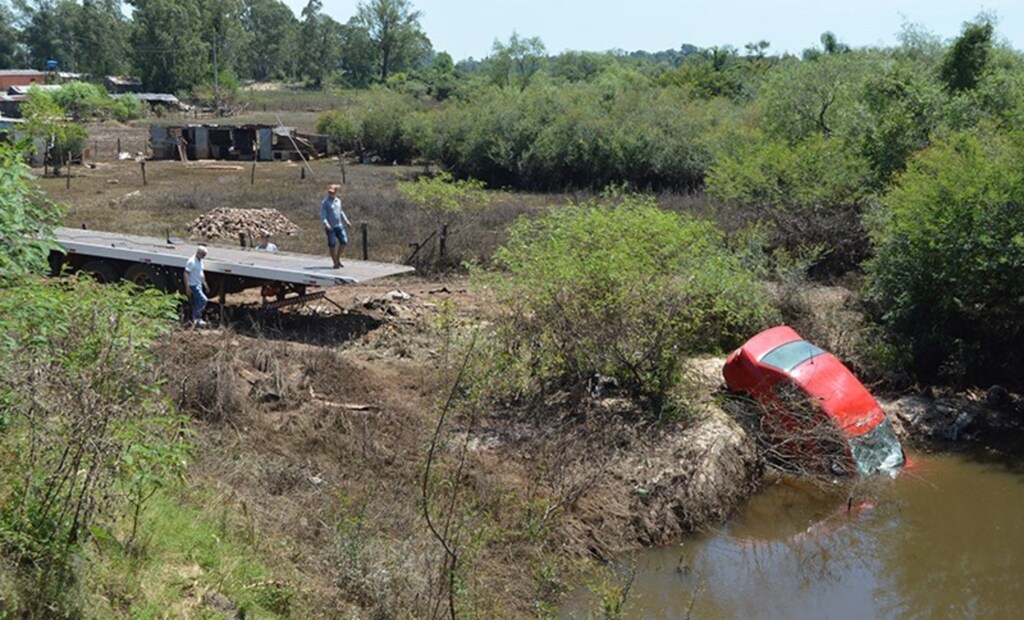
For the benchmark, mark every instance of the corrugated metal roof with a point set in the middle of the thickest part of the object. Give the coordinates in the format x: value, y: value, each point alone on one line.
x: 23, y: 90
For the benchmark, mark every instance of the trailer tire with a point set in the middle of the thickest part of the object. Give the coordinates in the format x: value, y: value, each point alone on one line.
x: 103, y: 271
x: 149, y: 276
x: 56, y: 262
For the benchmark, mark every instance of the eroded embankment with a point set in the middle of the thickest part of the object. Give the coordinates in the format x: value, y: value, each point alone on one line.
x: 620, y: 480
x: 319, y: 438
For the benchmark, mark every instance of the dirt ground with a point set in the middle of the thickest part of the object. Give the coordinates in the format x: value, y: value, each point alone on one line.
x: 322, y: 415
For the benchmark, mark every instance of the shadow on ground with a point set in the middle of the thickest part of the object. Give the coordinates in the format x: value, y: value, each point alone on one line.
x: 308, y: 328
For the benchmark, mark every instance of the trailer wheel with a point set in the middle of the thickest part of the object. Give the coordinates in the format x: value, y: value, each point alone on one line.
x: 148, y: 276
x: 56, y: 262
x: 101, y: 270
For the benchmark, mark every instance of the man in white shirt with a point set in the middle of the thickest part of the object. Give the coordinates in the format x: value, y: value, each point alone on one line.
x: 265, y: 243
x: 195, y: 285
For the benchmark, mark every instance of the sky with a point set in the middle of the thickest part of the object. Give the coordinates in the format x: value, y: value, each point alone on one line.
x: 468, y: 28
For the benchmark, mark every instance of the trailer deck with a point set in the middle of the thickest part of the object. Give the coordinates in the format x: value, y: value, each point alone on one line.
x: 239, y: 264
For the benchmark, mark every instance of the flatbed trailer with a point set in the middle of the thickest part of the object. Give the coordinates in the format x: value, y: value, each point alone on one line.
x: 160, y: 263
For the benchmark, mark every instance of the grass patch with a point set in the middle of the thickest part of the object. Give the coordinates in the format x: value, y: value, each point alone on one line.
x: 198, y: 556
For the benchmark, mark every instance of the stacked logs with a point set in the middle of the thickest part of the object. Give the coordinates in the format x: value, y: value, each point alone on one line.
x: 228, y: 223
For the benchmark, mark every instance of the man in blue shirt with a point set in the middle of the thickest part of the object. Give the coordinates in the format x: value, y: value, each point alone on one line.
x: 334, y: 220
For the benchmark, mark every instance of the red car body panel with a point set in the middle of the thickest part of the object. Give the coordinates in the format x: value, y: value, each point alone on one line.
x: 759, y: 367
x: 822, y: 377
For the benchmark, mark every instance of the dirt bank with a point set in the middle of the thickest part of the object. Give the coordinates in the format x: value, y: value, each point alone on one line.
x: 316, y: 424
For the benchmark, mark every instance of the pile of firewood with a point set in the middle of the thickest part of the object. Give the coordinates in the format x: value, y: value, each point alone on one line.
x: 228, y: 223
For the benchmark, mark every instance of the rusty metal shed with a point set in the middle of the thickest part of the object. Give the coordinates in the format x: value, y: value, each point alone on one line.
x: 232, y: 142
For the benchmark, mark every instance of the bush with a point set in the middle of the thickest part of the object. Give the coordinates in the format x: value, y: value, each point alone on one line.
x: 811, y: 194
x: 949, y: 245
x: 127, y: 107
x: 83, y: 101
x: 76, y: 387
x: 384, y: 126
x: 342, y: 130
x: 26, y: 218
x: 624, y: 291
x: 587, y: 135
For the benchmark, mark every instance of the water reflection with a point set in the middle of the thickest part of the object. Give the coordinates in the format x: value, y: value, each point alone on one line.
x: 944, y: 539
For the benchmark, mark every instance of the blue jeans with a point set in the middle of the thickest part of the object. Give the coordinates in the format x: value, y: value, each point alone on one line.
x: 199, y: 300
x: 336, y: 236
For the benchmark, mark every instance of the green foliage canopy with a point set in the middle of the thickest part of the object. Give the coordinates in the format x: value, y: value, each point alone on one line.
x: 26, y: 218
x: 626, y: 291
x: 812, y: 195
x: 948, y: 270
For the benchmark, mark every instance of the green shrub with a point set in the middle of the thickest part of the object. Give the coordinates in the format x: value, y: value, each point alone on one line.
x: 617, y: 129
x: 77, y: 385
x: 949, y: 254
x: 625, y: 291
x: 384, y: 132
x: 127, y: 107
x: 26, y: 218
x: 811, y: 194
x: 83, y: 101
x: 342, y: 129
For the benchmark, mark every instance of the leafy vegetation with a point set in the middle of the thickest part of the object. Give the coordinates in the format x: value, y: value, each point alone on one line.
x: 26, y: 219
x: 625, y: 291
x: 949, y: 247
x: 90, y: 451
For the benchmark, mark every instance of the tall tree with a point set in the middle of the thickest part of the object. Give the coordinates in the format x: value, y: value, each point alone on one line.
x: 320, y: 43
x: 273, y: 38
x: 11, y: 54
x: 103, y: 31
x: 518, y: 61
x: 223, y: 34
x: 393, y: 30
x: 49, y: 32
x: 169, y: 52
x: 967, y: 58
x: 358, y: 58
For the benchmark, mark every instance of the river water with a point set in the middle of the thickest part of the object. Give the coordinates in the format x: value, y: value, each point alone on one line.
x: 945, y: 539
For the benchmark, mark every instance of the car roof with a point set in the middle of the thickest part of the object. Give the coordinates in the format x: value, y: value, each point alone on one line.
x: 770, y: 339
x: 819, y: 374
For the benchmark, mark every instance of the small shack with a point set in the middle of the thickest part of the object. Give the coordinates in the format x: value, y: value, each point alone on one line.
x: 9, y: 127
x: 122, y: 84
x: 158, y: 100
x: 233, y: 142
x: 10, y: 105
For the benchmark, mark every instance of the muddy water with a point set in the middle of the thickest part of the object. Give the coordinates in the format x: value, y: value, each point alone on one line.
x: 943, y: 540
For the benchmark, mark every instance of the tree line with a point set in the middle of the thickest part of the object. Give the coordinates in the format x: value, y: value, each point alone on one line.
x: 176, y: 45
x: 901, y: 164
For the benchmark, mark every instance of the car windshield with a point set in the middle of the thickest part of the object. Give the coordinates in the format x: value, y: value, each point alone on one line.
x: 877, y: 450
x: 790, y: 355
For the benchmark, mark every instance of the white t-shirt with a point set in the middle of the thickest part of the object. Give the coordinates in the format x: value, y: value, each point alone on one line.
x: 194, y: 269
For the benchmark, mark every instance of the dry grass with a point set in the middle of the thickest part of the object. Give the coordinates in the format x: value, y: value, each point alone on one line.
x: 111, y: 195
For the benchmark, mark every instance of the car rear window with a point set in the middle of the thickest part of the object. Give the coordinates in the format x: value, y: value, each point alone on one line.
x: 790, y: 355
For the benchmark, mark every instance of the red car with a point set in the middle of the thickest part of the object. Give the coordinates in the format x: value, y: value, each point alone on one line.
x: 815, y: 410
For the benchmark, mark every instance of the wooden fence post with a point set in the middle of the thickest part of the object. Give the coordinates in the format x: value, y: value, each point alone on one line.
x: 142, y: 164
x: 366, y: 244
x: 443, y: 243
